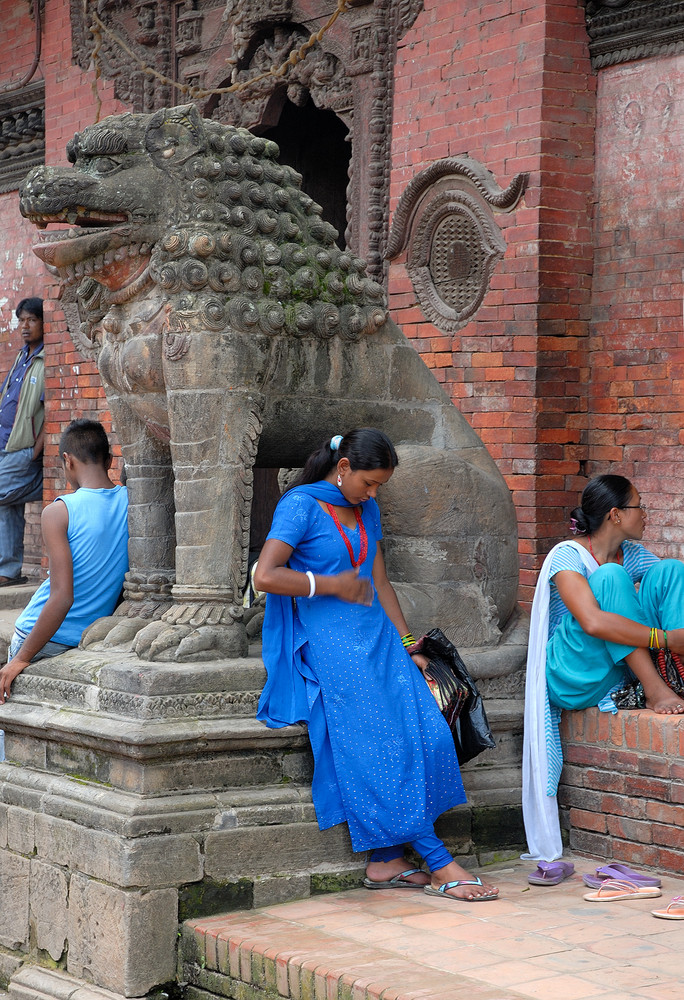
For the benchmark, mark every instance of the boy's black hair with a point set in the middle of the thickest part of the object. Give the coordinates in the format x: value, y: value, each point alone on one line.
x: 33, y: 305
x: 87, y: 441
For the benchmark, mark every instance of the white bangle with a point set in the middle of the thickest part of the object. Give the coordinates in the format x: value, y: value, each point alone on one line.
x: 312, y: 583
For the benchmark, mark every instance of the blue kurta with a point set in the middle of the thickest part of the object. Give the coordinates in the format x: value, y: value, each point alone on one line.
x: 385, y: 761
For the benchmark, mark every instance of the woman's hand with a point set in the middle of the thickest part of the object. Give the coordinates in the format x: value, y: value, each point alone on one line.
x: 421, y: 662
x: 350, y: 587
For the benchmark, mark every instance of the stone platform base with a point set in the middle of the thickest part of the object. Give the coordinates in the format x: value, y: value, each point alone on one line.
x: 34, y: 983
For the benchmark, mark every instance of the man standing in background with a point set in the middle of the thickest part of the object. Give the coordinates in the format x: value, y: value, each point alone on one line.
x: 22, y: 412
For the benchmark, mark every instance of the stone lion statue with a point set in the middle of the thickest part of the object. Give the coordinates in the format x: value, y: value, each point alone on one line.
x: 230, y: 330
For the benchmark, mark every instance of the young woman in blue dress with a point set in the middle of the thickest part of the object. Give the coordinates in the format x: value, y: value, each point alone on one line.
x: 589, y: 627
x: 339, y: 658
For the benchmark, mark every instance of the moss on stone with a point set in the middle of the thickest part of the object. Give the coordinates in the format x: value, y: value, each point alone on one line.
x: 335, y: 881
x: 497, y: 827
x: 202, y: 899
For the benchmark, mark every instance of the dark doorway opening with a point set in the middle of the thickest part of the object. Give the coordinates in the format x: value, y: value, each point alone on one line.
x: 315, y: 143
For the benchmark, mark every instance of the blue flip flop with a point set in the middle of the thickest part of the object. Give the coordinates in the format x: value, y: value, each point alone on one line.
x: 551, y: 872
x: 443, y: 890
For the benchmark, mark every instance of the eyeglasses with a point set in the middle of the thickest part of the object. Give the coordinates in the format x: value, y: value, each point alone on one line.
x: 634, y: 506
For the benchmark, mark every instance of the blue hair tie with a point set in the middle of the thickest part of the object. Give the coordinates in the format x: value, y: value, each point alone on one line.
x: 335, y: 442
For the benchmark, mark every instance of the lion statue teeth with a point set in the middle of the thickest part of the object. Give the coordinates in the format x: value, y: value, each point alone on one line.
x: 230, y: 331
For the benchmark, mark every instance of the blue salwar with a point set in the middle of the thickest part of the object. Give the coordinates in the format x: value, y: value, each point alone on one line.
x: 385, y: 761
x: 581, y: 669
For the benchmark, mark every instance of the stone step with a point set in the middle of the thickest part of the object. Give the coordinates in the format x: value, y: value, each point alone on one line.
x: 257, y: 954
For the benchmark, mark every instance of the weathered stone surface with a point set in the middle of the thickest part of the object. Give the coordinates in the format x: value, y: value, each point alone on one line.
x: 124, y: 941
x: 269, y: 891
x: 20, y: 830
x: 35, y: 983
x: 3, y: 826
x: 48, y: 896
x: 158, y: 861
x: 14, y: 900
x: 271, y: 850
x: 9, y: 965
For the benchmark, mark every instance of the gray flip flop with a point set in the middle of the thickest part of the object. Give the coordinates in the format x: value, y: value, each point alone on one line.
x: 399, y: 881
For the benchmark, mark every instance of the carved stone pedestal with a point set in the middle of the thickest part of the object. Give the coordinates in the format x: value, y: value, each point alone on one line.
x: 136, y: 795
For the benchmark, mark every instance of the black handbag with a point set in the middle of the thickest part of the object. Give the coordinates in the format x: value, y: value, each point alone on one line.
x: 457, y: 696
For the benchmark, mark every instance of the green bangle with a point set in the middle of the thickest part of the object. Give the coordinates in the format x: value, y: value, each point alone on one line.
x: 407, y: 640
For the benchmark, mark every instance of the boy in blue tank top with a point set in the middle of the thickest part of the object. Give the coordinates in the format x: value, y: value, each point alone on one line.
x: 86, y: 537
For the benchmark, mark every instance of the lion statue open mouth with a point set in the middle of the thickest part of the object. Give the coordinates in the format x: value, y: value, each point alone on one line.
x: 230, y: 330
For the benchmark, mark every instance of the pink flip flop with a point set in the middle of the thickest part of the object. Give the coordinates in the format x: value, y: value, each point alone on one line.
x: 673, y: 911
x: 612, y: 890
x: 551, y: 872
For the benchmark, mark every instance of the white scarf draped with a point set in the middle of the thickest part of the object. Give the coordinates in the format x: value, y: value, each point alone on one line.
x: 540, y: 809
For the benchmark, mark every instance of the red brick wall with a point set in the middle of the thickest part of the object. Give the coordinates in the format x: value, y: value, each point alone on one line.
x: 621, y: 792
x: 22, y: 273
x: 510, y: 84
x: 637, y: 344
x: 72, y: 384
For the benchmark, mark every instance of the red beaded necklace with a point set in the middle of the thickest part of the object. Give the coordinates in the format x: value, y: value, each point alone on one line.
x: 362, y: 534
x: 619, y: 556
x: 591, y: 549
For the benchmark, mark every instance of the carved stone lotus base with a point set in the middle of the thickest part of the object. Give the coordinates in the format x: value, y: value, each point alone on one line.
x: 135, y: 795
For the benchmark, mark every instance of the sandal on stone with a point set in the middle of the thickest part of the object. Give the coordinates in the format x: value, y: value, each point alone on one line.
x: 613, y: 889
x: 551, y: 873
x: 619, y: 871
x: 673, y: 911
x: 400, y: 881
x: 443, y: 890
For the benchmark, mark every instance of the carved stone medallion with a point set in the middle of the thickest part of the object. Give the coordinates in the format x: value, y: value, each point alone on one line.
x: 446, y: 218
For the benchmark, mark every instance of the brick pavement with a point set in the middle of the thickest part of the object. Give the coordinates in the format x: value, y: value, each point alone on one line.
x: 545, y: 943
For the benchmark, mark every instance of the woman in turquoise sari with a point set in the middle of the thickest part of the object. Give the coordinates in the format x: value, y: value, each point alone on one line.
x: 338, y: 658
x: 590, y: 631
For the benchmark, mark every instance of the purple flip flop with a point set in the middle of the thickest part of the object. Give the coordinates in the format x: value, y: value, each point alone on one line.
x: 619, y: 871
x: 551, y: 872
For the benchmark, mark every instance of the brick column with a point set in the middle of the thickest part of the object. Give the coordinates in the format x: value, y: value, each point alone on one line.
x: 511, y: 85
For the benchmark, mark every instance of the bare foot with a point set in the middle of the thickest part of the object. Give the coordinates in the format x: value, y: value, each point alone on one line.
x: 454, y: 873
x: 666, y: 703
x: 662, y: 699
x: 383, y: 871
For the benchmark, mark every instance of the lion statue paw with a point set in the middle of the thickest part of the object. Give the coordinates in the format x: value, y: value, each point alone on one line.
x: 184, y: 633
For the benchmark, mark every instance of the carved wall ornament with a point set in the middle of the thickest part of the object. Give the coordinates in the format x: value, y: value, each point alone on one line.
x: 320, y: 76
x: 646, y: 118
x: 22, y: 134
x: 445, y: 217
x: 145, y: 28
x: 189, y: 29
x: 623, y: 30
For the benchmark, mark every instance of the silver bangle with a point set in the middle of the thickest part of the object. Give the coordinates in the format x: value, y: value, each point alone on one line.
x: 312, y: 583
